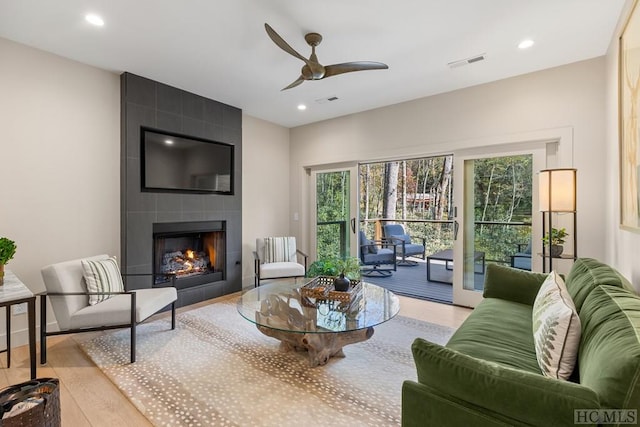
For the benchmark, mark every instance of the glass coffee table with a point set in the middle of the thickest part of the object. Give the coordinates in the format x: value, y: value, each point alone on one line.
x: 320, y: 326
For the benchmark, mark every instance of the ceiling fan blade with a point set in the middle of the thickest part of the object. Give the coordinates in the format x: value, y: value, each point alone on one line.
x: 347, y: 67
x: 283, y: 44
x: 294, y: 84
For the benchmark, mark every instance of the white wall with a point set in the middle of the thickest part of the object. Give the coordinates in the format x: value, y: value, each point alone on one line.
x: 567, y: 100
x: 59, y: 163
x: 622, y: 246
x: 60, y: 166
x: 265, y: 187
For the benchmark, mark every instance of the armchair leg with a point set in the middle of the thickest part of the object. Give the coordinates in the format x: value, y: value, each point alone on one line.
x: 133, y: 342
x: 133, y: 327
x: 406, y: 263
x: 376, y: 273
x: 43, y: 329
x: 173, y: 315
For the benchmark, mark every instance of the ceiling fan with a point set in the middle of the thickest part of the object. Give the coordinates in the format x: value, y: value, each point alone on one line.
x: 312, y: 69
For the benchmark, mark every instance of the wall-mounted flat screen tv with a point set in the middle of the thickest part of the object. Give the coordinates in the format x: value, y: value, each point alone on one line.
x: 171, y: 162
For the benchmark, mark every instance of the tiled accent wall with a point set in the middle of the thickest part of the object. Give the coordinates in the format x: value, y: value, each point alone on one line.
x: 145, y: 102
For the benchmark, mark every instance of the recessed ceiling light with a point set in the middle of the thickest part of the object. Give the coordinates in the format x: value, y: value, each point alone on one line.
x: 94, y: 20
x: 525, y: 44
x: 168, y: 141
x: 302, y: 107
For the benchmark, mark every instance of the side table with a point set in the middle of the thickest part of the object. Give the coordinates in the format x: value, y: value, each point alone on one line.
x: 15, y: 292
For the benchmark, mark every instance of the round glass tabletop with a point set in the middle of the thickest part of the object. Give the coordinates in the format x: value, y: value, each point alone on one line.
x: 282, y: 306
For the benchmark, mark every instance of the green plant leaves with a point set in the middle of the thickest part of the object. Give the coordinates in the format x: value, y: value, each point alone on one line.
x: 333, y: 266
x: 7, y: 250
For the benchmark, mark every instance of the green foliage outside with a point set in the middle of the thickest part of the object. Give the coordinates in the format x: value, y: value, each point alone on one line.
x: 424, y: 193
x: 333, y: 214
x: 502, y: 194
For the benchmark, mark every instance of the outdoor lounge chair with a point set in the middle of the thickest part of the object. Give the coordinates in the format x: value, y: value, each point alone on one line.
x: 395, y: 233
x: 377, y: 257
x: 522, y: 258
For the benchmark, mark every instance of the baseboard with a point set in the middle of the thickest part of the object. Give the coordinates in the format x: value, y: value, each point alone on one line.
x: 20, y: 337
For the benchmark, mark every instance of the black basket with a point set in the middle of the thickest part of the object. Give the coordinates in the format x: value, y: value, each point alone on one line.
x: 46, y: 413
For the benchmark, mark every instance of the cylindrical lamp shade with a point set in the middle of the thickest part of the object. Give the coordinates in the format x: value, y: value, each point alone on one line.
x: 557, y: 189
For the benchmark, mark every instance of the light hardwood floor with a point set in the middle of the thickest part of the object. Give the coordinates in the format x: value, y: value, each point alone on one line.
x: 89, y: 398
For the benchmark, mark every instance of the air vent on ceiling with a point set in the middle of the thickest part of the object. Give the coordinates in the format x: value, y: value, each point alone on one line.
x: 466, y: 61
x: 325, y: 100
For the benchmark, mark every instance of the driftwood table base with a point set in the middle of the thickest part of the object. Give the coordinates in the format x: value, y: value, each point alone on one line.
x: 320, y: 346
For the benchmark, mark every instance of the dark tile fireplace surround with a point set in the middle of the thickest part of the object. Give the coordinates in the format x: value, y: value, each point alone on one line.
x: 170, y: 228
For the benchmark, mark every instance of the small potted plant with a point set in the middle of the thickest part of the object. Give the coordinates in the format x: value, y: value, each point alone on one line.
x: 7, y: 251
x: 342, y: 270
x: 554, y: 240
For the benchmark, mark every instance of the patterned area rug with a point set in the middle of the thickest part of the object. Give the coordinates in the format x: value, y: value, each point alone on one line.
x: 216, y: 368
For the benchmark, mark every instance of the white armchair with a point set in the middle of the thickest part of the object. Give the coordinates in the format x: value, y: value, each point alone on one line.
x: 277, y: 257
x: 67, y: 289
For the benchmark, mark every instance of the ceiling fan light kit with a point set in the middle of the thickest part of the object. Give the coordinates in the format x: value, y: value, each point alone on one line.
x: 312, y: 69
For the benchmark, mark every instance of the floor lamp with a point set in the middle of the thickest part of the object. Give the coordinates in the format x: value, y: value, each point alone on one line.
x: 557, y: 190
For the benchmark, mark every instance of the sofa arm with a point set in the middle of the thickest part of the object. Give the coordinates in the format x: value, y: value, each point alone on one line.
x: 512, y: 284
x: 522, y: 396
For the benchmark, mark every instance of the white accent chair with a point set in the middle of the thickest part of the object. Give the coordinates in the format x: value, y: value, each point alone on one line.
x: 67, y: 290
x: 287, y: 266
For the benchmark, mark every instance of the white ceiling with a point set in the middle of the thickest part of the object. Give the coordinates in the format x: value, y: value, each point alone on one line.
x: 219, y: 48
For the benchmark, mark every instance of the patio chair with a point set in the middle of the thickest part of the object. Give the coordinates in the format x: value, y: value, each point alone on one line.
x: 395, y: 233
x: 522, y: 258
x: 377, y: 257
x: 277, y: 258
x: 78, y: 307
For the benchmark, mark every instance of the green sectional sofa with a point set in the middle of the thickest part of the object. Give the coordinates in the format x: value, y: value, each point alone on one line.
x: 488, y: 375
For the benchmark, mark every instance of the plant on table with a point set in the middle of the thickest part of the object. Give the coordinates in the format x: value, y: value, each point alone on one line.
x: 555, y: 240
x: 334, y: 266
x: 7, y: 251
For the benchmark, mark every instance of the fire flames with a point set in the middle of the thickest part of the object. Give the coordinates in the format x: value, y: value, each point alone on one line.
x: 185, y: 263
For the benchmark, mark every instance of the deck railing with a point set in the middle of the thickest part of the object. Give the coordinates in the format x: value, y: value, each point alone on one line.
x: 499, y: 240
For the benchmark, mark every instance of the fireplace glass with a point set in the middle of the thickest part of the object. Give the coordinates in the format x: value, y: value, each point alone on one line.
x: 193, y: 256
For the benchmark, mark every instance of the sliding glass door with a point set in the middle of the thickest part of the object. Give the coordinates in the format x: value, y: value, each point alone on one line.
x: 334, y: 211
x: 494, y: 218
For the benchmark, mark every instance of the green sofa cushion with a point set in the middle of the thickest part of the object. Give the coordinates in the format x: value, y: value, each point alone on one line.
x: 512, y: 284
x: 494, y: 332
x: 609, y: 355
x: 587, y: 274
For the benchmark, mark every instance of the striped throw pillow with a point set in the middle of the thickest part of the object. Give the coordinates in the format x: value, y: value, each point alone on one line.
x: 102, y: 276
x: 279, y: 249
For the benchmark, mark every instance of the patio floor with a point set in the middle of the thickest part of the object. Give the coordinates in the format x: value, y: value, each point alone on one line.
x: 412, y: 282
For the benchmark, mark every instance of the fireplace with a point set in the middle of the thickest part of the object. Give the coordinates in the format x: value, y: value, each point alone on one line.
x: 192, y: 252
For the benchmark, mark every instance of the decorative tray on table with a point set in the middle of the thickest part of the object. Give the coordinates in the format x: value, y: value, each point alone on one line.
x: 321, y: 287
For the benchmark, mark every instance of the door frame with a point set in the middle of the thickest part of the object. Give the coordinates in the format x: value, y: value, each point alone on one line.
x: 354, y: 206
